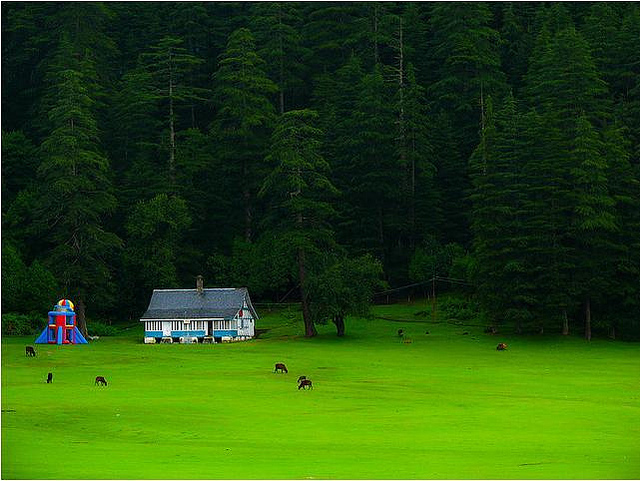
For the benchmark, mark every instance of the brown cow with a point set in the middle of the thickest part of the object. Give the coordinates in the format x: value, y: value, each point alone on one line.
x: 100, y: 381
x: 30, y: 351
x: 501, y: 347
x: 280, y: 367
x: 305, y: 384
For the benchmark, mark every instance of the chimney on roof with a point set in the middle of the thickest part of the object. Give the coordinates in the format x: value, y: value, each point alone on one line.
x: 200, y: 285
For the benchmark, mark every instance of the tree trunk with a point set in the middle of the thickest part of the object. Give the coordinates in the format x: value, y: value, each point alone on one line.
x: 339, y: 322
x: 309, y: 326
x: 587, y: 319
x: 81, y: 320
x: 565, y: 324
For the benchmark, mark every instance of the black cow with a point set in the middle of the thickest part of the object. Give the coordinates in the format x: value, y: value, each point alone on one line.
x: 49, y: 378
x: 280, y: 367
x: 305, y: 384
x: 100, y: 381
x: 501, y: 347
x: 30, y: 351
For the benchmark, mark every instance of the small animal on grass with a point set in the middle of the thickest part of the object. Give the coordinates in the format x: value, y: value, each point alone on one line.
x: 30, y: 351
x: 100, y: 380
x: 280, y: 367
x: 305, y: 384
x: 501, y: 347
x: 400, y: 332
x: 426, y: 332
x: 49, y: 378
x: 301, y: 378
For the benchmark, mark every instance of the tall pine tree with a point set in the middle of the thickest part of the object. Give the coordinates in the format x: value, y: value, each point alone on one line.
x: 243, y: 123
x: 79, y: 195
x: 298, y: 190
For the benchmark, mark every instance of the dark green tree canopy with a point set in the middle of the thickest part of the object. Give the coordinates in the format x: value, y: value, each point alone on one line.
x: 273, y: 144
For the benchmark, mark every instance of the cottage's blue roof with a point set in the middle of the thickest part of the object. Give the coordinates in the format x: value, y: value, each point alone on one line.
x: 222, y: 303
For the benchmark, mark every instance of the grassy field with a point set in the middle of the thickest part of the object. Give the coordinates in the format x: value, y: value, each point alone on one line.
x: 447, y: 405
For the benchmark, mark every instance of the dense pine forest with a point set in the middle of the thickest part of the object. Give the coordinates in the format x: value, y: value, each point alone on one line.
x: 325, y: 151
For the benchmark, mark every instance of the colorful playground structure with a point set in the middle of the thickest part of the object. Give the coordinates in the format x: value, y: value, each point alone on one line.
x: 62, y: 327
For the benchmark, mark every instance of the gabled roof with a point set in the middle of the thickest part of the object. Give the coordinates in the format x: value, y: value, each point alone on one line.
x: 220, y: 303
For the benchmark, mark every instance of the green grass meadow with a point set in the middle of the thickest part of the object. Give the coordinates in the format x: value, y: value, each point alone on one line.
x: 447, y: 405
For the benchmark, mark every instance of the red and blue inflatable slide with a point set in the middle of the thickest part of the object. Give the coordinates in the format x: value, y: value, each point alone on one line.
x: 62, y: 328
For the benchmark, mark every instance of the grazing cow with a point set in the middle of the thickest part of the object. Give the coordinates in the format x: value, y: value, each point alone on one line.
x: 400, y: 332
x: 305, y: 384
x: 100, y: 381
x: 280, y: 367
x: 301, y: 378
x: 501, y: 347
x: 49, y: 378
x: 30, y: 351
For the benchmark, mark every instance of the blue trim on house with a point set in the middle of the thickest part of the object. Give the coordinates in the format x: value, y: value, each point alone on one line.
x: 221, y: 333
x: 194, y: 333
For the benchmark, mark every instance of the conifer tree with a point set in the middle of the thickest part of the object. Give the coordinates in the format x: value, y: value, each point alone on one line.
x: 564, y: 86
x: 503, y: 276
x: 376, y: 173
x: 624, y: 242
x: 84, y: 27
x: 629, y: 78
x: 466, y: 64
x: 517, y: 38
x: 327, y: 33
x: 155, y: 231
x: 137, y: 149
x: 594, y: 217
x: 19, y: 164
x: 276, y: 28
x: 168, y: 64
x: 417, y: 154
x: 298, y: 191
x: 79, y: 195
x: 244, y: 120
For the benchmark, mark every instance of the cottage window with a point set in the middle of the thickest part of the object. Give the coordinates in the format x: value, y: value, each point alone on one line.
x: 153, y: 325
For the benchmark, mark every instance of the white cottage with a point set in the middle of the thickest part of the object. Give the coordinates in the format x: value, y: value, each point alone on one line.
x: 204, y: 315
